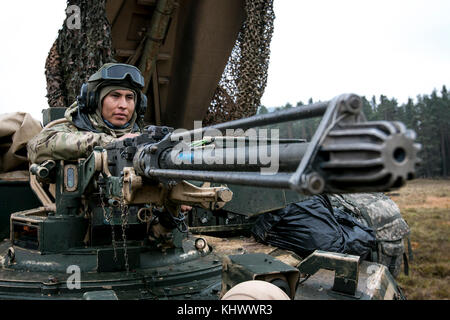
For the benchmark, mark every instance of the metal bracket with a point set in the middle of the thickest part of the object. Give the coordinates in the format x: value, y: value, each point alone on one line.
x: 136, y: 192
x: 311, y: 182
x: 346, y: 269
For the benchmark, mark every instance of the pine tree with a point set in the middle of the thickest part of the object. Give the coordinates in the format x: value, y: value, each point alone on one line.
x: 429, y: 117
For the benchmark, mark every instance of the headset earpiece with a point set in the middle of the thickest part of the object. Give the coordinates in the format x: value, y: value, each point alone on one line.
x: 92, y: 102
x: 86, y: 100
x: 142, y: 105
x: 82, y: 98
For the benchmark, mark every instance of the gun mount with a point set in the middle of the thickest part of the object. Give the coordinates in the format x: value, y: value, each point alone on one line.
x: 116, y: 215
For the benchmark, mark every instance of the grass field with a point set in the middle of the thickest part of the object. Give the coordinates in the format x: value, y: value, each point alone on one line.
x: 425, y: 205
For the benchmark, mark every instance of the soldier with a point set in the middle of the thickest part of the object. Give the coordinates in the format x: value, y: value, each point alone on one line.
x: 108, y: 108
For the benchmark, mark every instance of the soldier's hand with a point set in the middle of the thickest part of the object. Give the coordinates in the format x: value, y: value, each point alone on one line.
x: 128, y: 135
x: 185, y: 208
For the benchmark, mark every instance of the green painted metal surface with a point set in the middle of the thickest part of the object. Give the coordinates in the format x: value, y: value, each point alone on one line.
x: 14, y: 196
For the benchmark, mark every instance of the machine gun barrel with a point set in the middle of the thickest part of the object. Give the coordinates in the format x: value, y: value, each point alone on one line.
x: 346, y: 154
x: 280, y: 180
x: 241, y: 158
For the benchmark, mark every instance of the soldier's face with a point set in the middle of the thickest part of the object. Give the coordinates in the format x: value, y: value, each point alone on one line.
x: 118, y: 107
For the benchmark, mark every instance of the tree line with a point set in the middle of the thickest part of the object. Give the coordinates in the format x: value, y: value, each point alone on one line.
x: 427, y: 115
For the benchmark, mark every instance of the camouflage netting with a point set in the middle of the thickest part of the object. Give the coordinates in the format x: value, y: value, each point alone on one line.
x: 78, y: 53
x: 244, y: 79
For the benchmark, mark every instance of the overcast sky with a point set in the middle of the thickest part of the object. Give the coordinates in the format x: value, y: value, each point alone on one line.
x: 319, y: 49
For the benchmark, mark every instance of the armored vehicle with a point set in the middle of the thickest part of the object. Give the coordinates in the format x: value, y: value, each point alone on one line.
x: 109, y: 226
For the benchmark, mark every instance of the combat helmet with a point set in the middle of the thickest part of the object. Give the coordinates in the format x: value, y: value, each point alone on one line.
x: 112, y: 74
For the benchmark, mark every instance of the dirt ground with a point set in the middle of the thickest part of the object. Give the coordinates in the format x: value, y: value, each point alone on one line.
x: 425, y: 205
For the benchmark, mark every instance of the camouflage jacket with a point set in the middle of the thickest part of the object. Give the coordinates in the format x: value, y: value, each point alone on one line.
x: 75, y: 138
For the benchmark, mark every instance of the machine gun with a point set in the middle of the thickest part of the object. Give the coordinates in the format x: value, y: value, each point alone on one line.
x: 116, y: 215
x: 141, y: 182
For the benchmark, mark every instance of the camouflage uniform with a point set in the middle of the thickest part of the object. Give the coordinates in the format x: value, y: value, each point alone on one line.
x: 66, y: 141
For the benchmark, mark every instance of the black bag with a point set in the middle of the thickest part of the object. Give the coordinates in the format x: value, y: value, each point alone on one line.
x: 311, y: 225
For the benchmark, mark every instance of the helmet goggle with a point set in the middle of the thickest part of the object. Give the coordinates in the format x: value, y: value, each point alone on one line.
x: 119, y: 71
